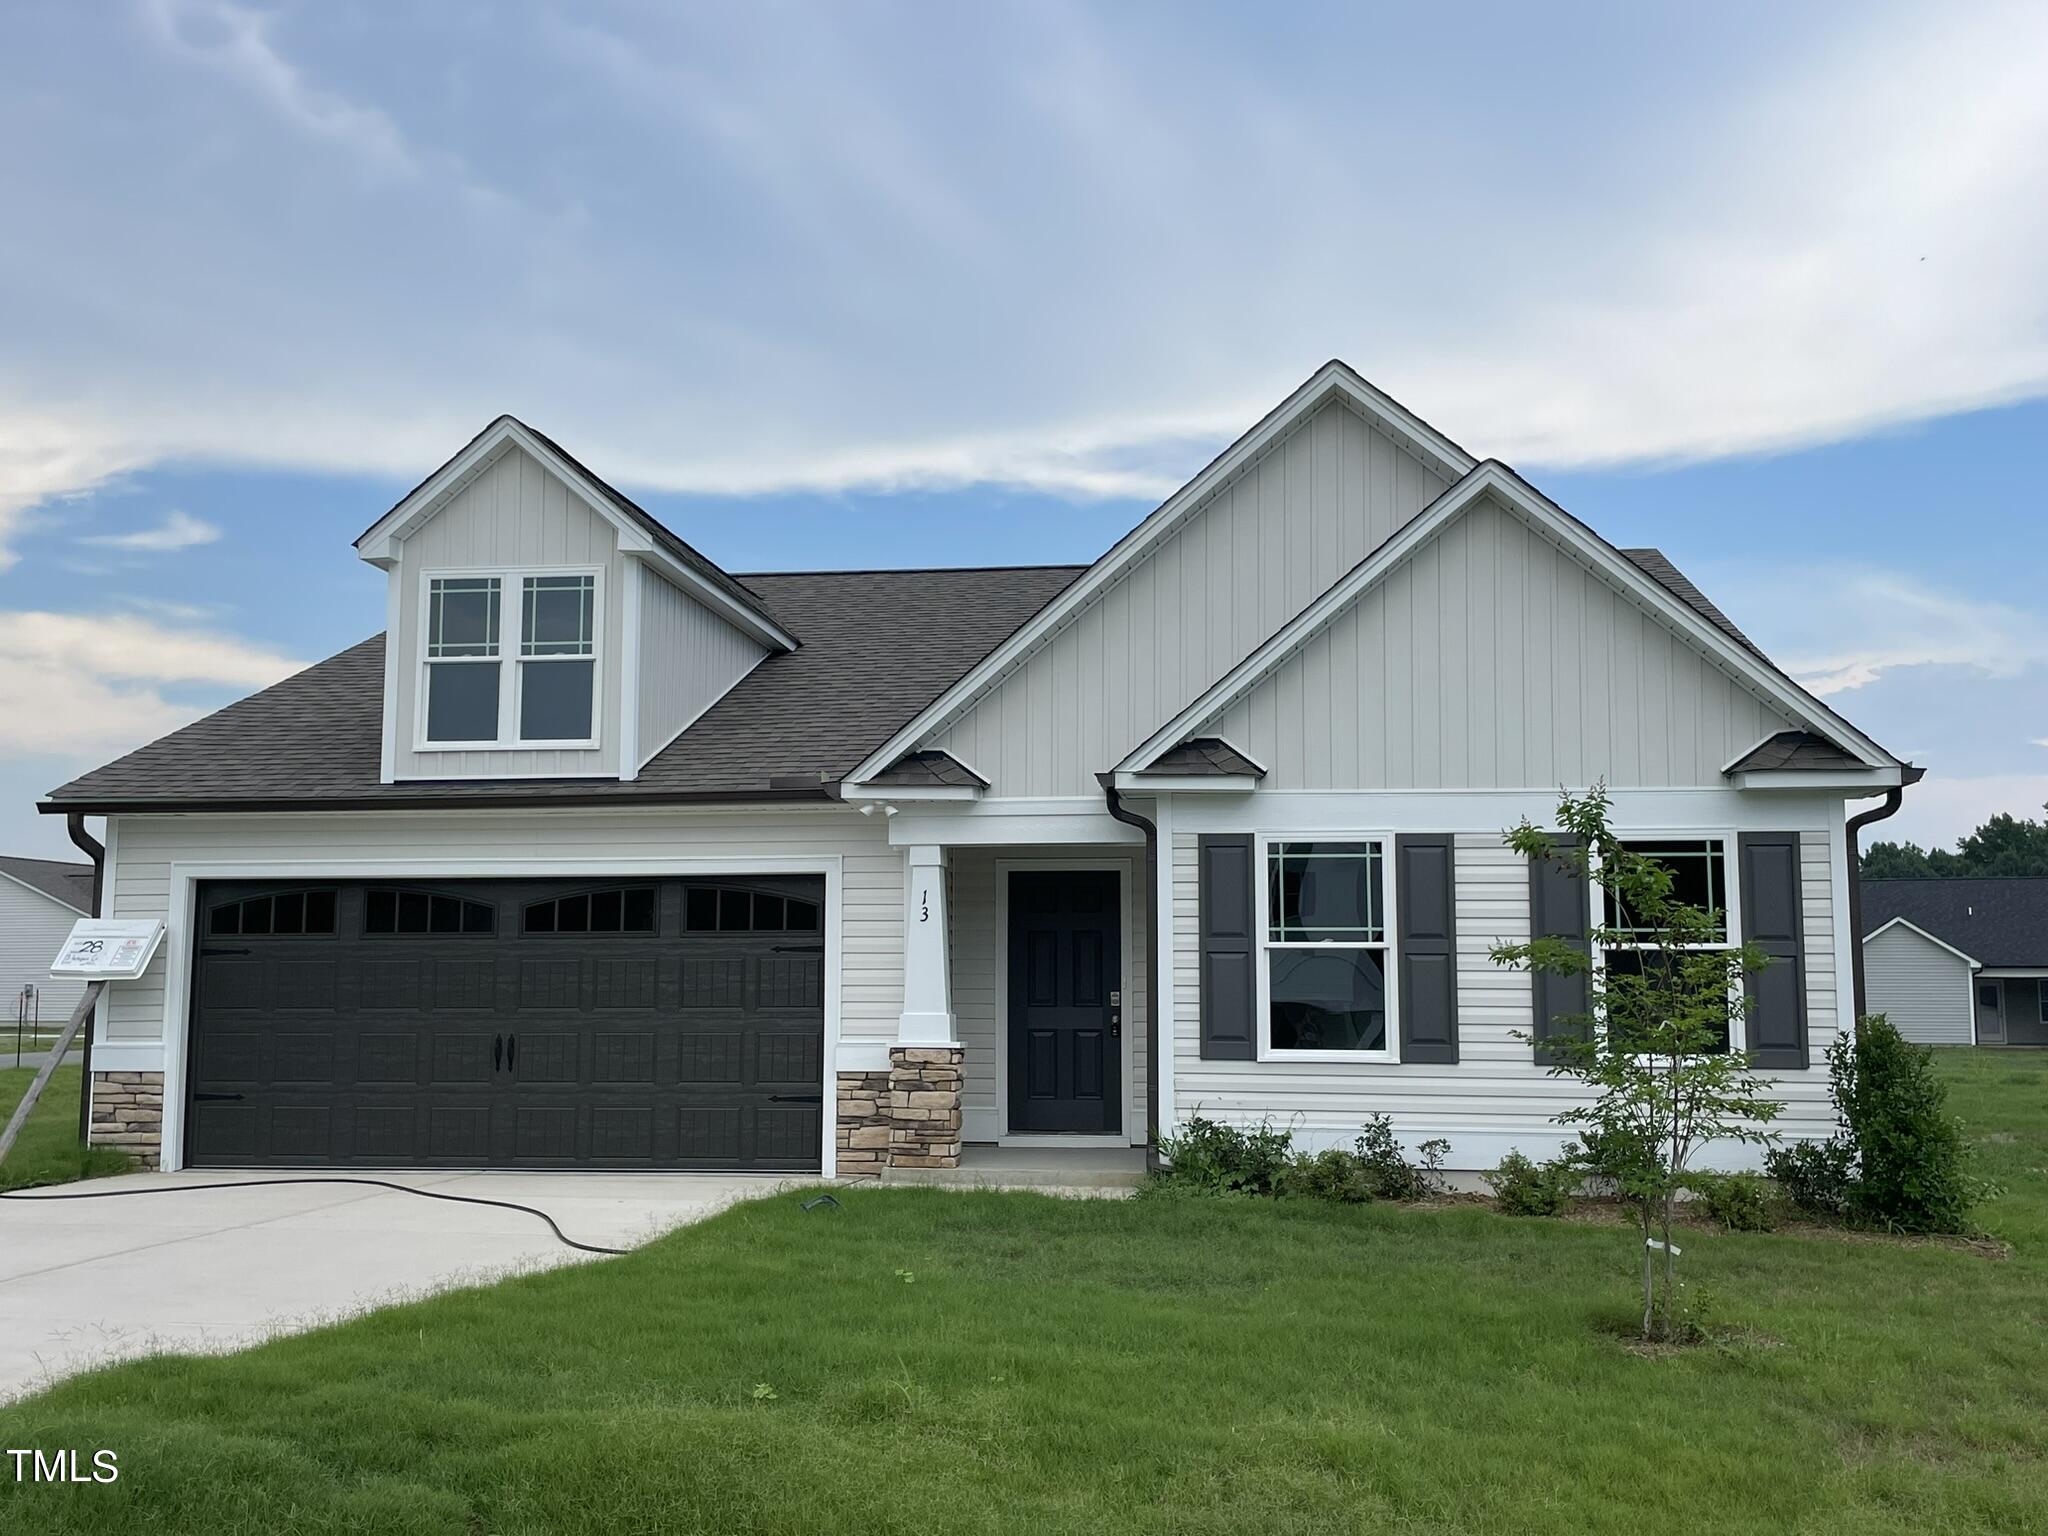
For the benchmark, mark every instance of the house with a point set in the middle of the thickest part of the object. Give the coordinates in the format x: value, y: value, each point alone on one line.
x: 1959, y: 962
x: 39, y: 901
x: 601, y: 856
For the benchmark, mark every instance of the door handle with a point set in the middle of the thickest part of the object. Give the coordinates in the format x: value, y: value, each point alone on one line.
x: 511, y: 1051
x: 497, y: 1052
x: 1116, y: 1027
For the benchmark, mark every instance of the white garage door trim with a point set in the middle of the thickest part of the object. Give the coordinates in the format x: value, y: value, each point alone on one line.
x: 185, y: 879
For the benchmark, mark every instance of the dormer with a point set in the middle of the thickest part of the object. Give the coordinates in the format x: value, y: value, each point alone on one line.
x: 540, y: 625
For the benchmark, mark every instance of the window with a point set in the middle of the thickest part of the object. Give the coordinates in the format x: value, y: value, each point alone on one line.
x: 415, y: 913
x: 283, y: 913
x: 1326, y: 951
x: 629, y: 910
x: 736, y: 909
x: 544, y: 693
x: 1699, y: 878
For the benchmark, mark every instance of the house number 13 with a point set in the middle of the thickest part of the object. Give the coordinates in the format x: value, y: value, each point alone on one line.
x: 924, y: 905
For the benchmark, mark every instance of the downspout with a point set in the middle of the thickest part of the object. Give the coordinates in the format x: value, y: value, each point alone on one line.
x: 1144, y: 824
x: 94, y: 849
x: 1892, y: 800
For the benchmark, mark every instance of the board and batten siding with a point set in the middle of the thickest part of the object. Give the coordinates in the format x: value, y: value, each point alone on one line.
x: 1237, y: 569
x: 1496, y: 1097
x: 871, y: 874
x: 1925, y: 990
x: 689, y: 658
x: 515, y: 514
x: 1489, y: 659
x: 33, y: 928
x: 980, y: 953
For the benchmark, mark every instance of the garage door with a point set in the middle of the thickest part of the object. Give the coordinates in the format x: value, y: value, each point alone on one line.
x: 522, y: 1024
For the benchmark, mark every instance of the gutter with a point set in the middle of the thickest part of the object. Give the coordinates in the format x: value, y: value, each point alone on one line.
x: 812, y: 792
x: 1129, y: 817
x: 1893, y: 797
x: 94, y: 849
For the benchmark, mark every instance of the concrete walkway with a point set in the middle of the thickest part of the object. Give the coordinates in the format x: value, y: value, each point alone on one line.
x: 83, y: 1282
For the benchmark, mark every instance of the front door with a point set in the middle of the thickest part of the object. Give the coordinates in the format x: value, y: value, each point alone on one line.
x: 1990, y: 1013
x: 1066, y: 1002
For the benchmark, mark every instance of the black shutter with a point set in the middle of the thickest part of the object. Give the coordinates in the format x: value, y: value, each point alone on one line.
x: 1229, y: 947
x: 1427, y: 946
x: 1771, y: 920
x: 1560, y: 907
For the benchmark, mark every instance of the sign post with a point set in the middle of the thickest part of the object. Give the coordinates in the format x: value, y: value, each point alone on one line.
x: 102, y: 950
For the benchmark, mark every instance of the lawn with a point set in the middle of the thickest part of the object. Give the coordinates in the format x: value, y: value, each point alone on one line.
x: 928, y: 1362
x: 48, y: 1152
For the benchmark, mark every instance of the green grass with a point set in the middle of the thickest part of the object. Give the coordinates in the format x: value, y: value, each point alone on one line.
x: 48, y: 1151
x: 964, y: 1363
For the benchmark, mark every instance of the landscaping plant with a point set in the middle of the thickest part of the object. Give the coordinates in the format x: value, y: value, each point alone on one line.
x: 1741, y: 1202
x: 1651, y: 1048
x: 1524, y: 1187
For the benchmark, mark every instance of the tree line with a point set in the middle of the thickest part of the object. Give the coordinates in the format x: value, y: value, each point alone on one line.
x: 2004, y: 845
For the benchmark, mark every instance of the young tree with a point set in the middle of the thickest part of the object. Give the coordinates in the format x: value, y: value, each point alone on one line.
x: 1653, y: 1046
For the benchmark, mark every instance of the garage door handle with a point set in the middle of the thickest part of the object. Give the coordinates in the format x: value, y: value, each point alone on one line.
x: 796, y: 1098
x: 213, y: 1098
x: 497, y: 1052
x: 511, y: 1051
x: 799, y: 949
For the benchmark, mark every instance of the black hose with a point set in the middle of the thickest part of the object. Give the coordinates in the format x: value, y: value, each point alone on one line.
x: 403, y: 1189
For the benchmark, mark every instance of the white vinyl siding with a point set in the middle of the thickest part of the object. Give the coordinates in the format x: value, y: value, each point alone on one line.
x: 1496, y: 1097
x: 515, y: 515
x: 1925, y: 990
x: 979, y: 950
x: 32, y: 929
x: 1490, y: 660
x: 871, y: 961
x: 1238, y: 569
x: 689, y: 658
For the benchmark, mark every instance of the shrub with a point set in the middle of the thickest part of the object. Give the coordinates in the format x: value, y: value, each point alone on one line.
x: 1525, y: 1188
x: 1227, y: 1159
x: 1912, y: 1164
x: 1741, y: 1202
x: 1331, y: 1174
x: 1814, y: 1175
x: 1388, y: 1173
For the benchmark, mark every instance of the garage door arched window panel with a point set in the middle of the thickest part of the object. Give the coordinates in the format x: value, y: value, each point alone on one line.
x: 746, y: 909
x: 400, y: 912
x: 278, y: 914
x: 620, y: 909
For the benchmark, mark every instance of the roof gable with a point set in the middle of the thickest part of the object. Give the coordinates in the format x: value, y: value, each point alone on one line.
x: 1335, y: 382
x: 1494, y: 483
x: 639, y: 532
x: 1997, y: 922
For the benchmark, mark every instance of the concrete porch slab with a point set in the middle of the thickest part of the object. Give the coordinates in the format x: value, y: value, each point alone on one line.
x: 1073, y: 1170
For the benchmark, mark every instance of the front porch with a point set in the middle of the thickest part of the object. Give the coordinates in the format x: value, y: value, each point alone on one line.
x: 1023, y: 1030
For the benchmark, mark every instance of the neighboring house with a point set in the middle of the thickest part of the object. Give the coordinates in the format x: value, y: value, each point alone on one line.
x: 39, y: 901
x: 1959, y: 962
x: 603, y: 857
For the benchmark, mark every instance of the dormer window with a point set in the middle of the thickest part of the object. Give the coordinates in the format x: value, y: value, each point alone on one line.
x: 480, y: 694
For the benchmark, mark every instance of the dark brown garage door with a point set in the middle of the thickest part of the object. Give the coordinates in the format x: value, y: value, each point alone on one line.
x: 509, y: 1024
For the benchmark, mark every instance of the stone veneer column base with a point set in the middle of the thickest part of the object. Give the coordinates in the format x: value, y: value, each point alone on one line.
x: 863, y: 1135
x: 128, y: 1112
x: 924, y: 1106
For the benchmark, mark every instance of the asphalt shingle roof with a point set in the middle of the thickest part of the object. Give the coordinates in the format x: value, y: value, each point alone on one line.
x: 1997, y: 922
x: 877, y: 647
x: 1794, y: 751
x: 61, y: 881
x: 1205, y: 755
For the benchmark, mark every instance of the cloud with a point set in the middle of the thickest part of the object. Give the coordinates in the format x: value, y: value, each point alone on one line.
x: 99, y: 683
x: 180, y: 530
x: 1939, y: 810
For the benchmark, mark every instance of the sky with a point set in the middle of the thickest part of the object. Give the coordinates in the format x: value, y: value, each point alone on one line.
x: 873, y: 284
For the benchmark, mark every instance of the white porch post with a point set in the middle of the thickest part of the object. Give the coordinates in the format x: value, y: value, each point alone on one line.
x: 927, y: 961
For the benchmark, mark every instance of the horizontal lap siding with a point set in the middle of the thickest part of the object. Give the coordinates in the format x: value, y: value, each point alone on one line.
x: 979, y: 949
x: 32, y: 930
x: 1921, y: 987
x: 871, y: 960
x: 1234, y: 572
x: 1495, y: 1090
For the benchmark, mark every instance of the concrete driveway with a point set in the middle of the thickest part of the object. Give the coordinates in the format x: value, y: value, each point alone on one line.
x: 83, y: 1282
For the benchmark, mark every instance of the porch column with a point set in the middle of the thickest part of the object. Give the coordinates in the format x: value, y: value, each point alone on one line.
x: 925, y: 1064
x: 927, y: 960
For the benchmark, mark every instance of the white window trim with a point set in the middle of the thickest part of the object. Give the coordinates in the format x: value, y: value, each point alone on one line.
x: 1262, y: 843
x: 1738, y: 1033
x: 511, y: 622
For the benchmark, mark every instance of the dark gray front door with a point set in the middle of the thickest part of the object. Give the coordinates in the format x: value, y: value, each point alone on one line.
x: 1066, y: 961
x: 595, y: 1023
